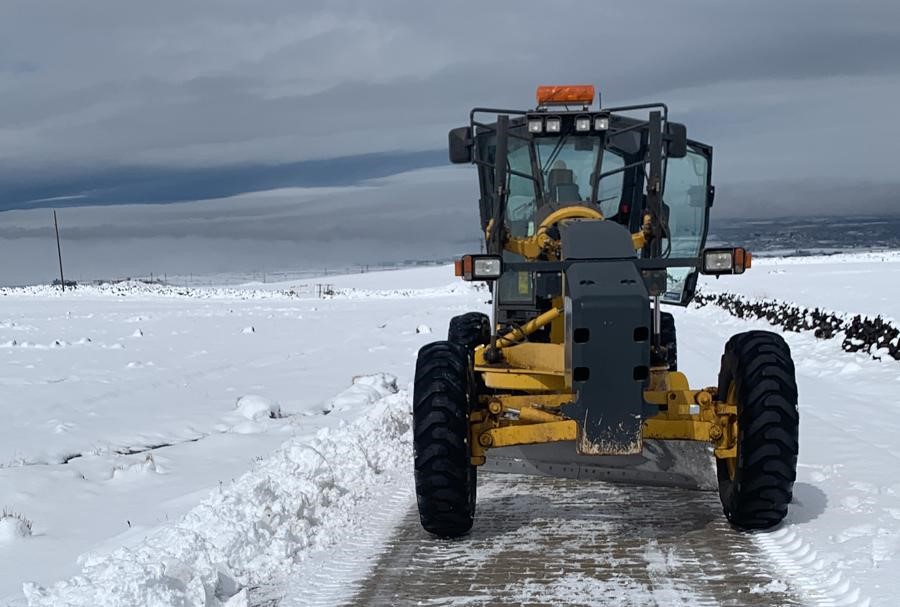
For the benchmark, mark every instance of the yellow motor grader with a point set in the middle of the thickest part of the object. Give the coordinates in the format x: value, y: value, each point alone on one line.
x: 593, y: 218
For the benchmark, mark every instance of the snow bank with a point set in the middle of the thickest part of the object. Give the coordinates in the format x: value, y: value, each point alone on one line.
x: 255, y: 407
x: 13, y: 526
x: 365, y: 388
x: 137, y: 288
x: 302, y: 291
x: 838, y: 258
x: 291, y: 504
x: 459, y: 288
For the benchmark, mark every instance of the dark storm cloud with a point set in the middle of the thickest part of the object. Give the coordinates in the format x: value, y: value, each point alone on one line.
x: 428, y: 214
x: 406, y: 207
x: 838, y: 199
x: 172, y: 84
x: 107, y: 102
x: 161, y: 185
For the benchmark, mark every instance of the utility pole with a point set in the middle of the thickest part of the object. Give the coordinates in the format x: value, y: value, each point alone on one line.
x: 62, y: 281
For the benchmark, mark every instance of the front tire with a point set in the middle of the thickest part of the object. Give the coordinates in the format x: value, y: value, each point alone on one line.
x: 444, y: 474
x: 757, y: 374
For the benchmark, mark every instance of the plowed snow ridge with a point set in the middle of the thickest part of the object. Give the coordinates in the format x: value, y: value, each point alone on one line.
x: 301, y: 499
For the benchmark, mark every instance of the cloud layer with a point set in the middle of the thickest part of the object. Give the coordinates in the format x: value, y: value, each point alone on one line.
x: 428, y: 214
x: 171, y: 84
x: 105, y: 102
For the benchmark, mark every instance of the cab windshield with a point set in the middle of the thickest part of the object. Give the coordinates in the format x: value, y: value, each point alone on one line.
x: 566, y: 164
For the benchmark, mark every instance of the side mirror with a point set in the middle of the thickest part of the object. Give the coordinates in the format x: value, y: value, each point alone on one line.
x: 461, y: 145
x: 676, y: 140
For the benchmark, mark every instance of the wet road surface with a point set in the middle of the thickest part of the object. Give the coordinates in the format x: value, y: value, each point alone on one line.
x: 552, y: 541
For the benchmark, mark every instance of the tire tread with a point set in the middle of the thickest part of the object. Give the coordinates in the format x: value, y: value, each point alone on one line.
x: 760, y: 365
x: 444, y: 476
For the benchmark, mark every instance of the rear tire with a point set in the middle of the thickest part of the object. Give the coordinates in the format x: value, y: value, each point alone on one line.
x: 758, y: 372
x: 470, y: 330
x: 445, y: 476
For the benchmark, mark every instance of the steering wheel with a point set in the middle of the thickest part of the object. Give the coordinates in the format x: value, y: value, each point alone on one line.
x: 550, y: 244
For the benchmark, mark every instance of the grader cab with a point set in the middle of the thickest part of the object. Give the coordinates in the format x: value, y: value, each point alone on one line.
x: 593, y: 218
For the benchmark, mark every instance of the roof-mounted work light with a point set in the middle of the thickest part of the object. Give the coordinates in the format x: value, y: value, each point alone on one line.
x: 583, y: 123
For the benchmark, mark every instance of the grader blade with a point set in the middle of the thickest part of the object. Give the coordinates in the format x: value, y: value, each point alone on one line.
x: 683, y: 464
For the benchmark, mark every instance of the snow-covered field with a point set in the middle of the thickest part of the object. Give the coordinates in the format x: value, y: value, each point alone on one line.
x: 125, y: 408
x: 856, y: 283
x: 182, y: 447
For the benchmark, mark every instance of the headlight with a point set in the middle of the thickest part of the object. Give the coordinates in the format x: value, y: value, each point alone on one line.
x: 479, y: 267
x: 535, y: 125
x: 726, y: 261
x: 718, y: 262
x: 554, y: 124
x: 582, y: 124
x: 601, y: 123
x: 486, y: 267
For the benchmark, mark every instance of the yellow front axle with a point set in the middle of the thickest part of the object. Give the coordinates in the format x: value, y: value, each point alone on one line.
x: 685, y: 414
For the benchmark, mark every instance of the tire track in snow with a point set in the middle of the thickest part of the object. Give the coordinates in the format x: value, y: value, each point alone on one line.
x: 825, y: 586
x: 333, y: 577
x: 799, y: 549
x: 550, y: 541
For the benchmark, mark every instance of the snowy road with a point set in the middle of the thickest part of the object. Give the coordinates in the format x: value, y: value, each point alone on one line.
x: 545, y: 541
x: 328, y: 518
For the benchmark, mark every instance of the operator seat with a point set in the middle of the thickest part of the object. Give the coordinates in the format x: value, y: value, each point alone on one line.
x: 562, y: 186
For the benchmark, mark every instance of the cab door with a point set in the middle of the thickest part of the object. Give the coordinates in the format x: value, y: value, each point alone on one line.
x: 688, y: 196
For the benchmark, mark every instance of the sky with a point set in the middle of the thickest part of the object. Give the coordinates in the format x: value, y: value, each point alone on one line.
x: 261, y: 236
x: 105, y: 102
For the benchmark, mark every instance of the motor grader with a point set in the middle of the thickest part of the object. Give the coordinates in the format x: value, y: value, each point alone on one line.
x: 593, y: 218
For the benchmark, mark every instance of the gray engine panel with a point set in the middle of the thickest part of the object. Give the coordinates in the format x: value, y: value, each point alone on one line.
x: 607, y: 337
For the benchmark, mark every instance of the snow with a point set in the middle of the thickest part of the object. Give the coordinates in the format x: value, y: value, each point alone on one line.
x: 773, y: 586
x: 81, y: 419
x: 581, y: 589
x: 289, y: 506
x: 857, y: 283
x: 844, y: 524
x: 13, y: 527
x: 255, y: 407
x: 189, y: 464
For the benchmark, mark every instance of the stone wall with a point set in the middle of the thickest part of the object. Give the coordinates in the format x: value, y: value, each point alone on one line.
x: 875, y: 336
